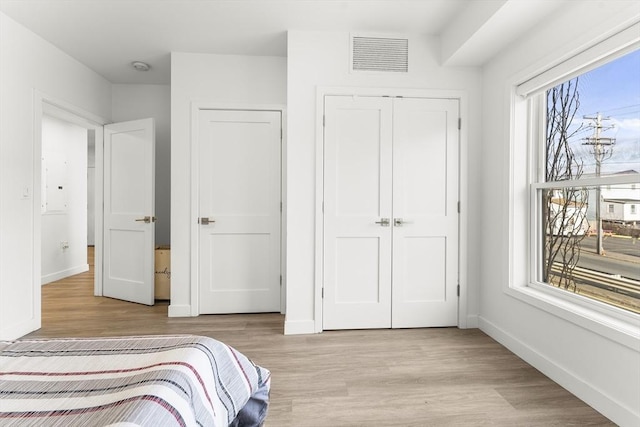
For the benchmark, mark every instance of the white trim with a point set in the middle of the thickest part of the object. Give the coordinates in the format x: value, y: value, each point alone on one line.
x: 580, y: 311
x: 463, y: 220
x: 535, y: 151
x: 585, y: 391
x: 588, y: 182
x: 615, y: 324
x: 299, y: 327
x: 36, y: 193
x: 182, y: 310
x: 193, y: 214
x: 19, y: 330
x: 283, y: 210
x: 392, y: 92
x: 472, y: 321
x: 98, y: 212
x: 64, y: 273
x: 69, y: 112
x: 319, y: 214
x: 616, y: 45
x: 462, y: 97
x: 44, y: 103
x: 196, y: 107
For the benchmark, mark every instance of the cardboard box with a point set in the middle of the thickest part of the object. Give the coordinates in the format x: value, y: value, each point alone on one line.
x: 162, y: 277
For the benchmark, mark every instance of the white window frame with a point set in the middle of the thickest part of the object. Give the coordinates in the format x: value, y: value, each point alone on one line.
x: 528, y: 112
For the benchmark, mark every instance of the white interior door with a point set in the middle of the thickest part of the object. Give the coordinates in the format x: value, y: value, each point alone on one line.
x: 239, y: 211
x: 357, y: 213
x: 425, y: 212
x: 129, y: 228
x: 390, y: 212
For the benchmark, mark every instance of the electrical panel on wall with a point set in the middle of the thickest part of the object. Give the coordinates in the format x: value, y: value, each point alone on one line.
x: 379, y: 54
x: 54, y: 177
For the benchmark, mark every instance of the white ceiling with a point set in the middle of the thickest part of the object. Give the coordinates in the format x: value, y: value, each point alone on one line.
x: 107, y: 35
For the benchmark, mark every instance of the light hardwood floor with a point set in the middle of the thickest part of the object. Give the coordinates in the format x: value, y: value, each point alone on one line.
x: 408, y: 377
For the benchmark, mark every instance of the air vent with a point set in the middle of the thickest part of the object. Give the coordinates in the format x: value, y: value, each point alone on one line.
x: 380, y: 54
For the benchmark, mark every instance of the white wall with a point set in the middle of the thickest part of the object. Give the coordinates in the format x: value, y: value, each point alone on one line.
x: 225, y: 80
x: 132, y: 102
x: 29, y: 64
x: 321, y: 59
x: 594, y: 360
x: 629, y: 213
x: 64, y: 149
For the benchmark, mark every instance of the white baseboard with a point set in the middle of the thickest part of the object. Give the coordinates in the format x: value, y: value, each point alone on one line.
x: 58, y: 275
x: 183, y: 310
x: 13, y: 332
x: 588, y: 393
x: 472, y: 321
x: 299, y: 327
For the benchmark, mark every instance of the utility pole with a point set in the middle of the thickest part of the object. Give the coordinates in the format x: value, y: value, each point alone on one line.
x: 601, y: 150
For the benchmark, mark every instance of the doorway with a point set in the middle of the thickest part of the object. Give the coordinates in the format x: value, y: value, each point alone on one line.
x: 64, y: 190
x: 69, y: 149
x: 123, y: 138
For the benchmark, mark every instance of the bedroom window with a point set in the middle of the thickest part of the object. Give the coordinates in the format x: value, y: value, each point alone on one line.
x: 584, y: 161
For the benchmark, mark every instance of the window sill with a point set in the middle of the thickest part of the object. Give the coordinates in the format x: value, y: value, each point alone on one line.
x: 614, y: 324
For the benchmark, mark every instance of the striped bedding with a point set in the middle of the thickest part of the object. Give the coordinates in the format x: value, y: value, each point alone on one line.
x: 158, y: 381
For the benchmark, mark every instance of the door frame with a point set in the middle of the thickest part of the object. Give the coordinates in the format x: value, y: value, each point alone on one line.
x: 46, y: 104
x: 463, y: 219
x: 196, y: 107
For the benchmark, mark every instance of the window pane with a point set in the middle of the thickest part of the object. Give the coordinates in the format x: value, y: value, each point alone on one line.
x: 593, y: 123
x: 593, y: 253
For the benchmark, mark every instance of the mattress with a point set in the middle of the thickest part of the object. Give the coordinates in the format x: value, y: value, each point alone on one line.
x: 178, y: 380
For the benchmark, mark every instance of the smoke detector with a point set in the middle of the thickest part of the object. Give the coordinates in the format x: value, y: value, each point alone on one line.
x: 141, y: 66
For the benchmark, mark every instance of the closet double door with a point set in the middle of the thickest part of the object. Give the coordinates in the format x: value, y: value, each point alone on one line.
x: 390, y: 212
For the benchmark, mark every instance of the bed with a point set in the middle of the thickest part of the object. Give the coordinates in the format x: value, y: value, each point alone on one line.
x: 178, y: 380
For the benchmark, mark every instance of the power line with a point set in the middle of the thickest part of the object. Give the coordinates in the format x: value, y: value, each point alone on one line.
x: 618, y: 109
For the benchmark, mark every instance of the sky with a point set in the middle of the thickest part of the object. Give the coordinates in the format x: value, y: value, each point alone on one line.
x: 613, y: 90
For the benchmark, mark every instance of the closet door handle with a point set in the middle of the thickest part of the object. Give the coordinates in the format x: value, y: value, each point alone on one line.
x: 384, y: 222
x: 397, y: 222
x: 147, y: 219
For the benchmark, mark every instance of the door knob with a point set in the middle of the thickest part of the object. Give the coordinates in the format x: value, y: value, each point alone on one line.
x: 206, y: 221
x: 384, y: 222
x: 397, y: 222
x: 147, y: 219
